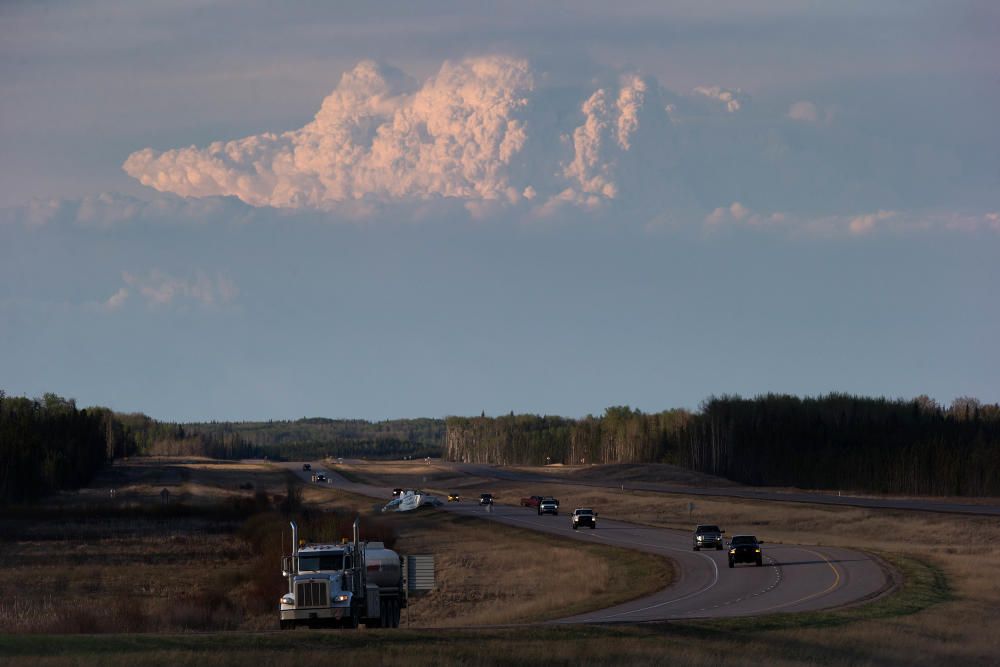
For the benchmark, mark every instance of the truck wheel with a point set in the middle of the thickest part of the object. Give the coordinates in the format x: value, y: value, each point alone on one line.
x: 731, y: 563
x: 285, y: 625
x: 759, y: 562
x: 697, y: 548
x: 574, y: 526
x: 592, y: 526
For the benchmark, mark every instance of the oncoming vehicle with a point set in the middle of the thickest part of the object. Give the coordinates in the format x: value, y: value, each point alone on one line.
x: 320, y: 477
x: 584, y: 516
x: 342, y: 585
x: 745, y: 549
x: 548, y: 506
x: 307, y: 466
x: 486, y: 499
x: 707, y: 536
x: 454, y: 498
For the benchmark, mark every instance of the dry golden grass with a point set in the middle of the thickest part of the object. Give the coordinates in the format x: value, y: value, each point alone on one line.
x: 132, y: 564
x: 965, y: 548
x: 491, y: 574
x: 472, y: 589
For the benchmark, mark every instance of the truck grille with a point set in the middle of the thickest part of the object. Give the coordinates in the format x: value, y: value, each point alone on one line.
x: 311, y: 594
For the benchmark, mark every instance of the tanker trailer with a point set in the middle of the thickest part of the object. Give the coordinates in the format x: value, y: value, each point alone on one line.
x: 342, y: 585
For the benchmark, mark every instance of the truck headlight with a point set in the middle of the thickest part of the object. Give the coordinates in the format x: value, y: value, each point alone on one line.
x: 732, y: 551
x: 341, y: 598
x: 288, y: 599
x: 757, y: 550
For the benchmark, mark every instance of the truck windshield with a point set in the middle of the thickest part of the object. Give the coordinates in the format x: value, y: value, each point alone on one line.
x: 316, y: 562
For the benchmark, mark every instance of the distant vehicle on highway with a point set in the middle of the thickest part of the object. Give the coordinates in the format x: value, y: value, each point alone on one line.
x: 745, y: 549
x: 707, y: 536
x: 548, y: 506
x: 531, y: 501
x: 486, y: 499
x: 454, y: 498
x: 584, y: 516
x: 320, y: 477
x: 396, y: 492
x: 307, y: 466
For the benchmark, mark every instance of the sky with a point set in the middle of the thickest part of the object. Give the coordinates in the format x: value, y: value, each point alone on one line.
x: 258, y: 210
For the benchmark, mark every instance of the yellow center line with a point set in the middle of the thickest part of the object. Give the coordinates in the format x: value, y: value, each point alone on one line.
x: 832, y: 586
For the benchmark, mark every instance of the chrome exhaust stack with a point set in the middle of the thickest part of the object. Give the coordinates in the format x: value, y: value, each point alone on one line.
x: 293, y: 561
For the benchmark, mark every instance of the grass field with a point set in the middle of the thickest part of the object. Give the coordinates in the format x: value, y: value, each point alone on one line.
x: 944, y: 612
x: 207, y: 556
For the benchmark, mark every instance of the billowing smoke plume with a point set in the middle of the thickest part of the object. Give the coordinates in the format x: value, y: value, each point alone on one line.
x: 480, y: 130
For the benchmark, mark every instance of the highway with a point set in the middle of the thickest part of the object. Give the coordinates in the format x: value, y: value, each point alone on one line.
x: 745, y: 492
x: 794, y: 578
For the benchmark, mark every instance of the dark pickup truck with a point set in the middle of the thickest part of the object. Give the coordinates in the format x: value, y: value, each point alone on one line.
x: 745, y: 549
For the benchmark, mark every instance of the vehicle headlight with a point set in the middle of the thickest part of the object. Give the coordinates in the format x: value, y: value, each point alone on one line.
x: 701, y: 537
x: 732, y: 551
x: 757, y: 549
x: 342, y: 598
x: 288, y: 599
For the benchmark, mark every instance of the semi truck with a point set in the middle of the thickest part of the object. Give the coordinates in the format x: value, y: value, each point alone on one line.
x: 342, y: 585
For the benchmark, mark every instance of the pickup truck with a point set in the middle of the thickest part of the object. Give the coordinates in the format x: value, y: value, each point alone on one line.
x: 531, y: 501
x: 548, y: 506
x: 584, y: 516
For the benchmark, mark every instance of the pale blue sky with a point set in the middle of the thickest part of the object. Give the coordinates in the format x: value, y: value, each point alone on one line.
x: 554, y: 209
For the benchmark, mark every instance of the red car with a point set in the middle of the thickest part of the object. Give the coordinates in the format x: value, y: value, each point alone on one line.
x: 531, y: 501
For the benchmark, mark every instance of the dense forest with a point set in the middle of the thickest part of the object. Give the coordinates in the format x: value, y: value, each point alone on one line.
x: 833, y: 442
x: 288, y: 440
x: 48, y: 444
x: 849, y: 442
x: 317, y: 437
x: 621, y: 435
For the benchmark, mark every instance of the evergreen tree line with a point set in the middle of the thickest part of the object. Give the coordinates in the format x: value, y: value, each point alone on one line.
x: 156, y: 438
x: 278, y: 434
x: 621, y: 435
x: 848, y: 442
x: 47, y: 444
x: 378, y: 448
x: 830, y: 442
x: 284, y: 440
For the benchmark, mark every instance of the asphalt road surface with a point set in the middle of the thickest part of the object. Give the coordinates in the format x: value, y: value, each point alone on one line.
x: 749, y: 493
x: 793, y: 578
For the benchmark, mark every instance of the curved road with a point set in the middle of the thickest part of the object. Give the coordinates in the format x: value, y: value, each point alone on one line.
x: 794, y: 578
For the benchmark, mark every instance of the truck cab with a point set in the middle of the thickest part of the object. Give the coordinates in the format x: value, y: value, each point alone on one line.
x: 342, y: 585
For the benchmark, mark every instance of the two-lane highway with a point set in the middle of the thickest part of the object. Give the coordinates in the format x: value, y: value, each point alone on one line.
x: 793, y: 578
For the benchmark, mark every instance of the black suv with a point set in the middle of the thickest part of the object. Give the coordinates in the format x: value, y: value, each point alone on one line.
x: 307, y: 466
x: 707, y: 536
x: 486, y: 499
x: 745, y: 549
